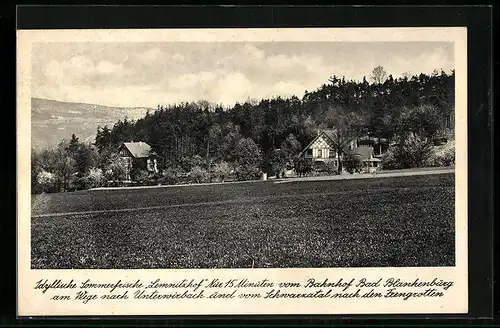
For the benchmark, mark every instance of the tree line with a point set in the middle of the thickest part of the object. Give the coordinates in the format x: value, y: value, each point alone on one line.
x: 206, y: 141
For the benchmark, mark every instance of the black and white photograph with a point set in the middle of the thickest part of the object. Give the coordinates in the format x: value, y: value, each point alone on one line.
x: 225, y: 155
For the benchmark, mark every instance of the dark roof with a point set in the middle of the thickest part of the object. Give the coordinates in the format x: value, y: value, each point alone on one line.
x: 330, y: 133
x: 366, y: 140
x: 364, y: 153
x: 138, y: 149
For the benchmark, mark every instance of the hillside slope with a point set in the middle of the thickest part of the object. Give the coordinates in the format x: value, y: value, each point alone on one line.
x: 53, y: 121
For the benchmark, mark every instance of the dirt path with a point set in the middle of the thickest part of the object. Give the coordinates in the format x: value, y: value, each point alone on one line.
x: 383, y: 174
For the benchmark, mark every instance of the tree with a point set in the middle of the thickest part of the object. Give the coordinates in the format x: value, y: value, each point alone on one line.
x: 64, y: 166
x: 35, y: 170
x: 47, y: 181
x: 424, y: 120
x: 378, y: 75
x: 413, y: 151
x: 290, y: 148
x: 114, y: 169
x: 352, y: 162
x: 103, y: 139
x: 407, y: 75
x: 346, y: 126
x: 277, y: 162
x: 94, y: 178
x: 248, y: 158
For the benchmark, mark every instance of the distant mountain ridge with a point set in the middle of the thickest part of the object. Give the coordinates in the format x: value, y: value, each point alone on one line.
x: 53, y: 121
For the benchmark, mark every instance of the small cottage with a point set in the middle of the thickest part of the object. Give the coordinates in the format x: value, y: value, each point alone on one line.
x: 137, y: 155
x: 321, y: 149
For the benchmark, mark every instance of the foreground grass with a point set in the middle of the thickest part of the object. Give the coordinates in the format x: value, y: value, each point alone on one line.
x: 404, y: 221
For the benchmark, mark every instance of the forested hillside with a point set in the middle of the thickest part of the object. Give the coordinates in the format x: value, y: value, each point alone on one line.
x: 189, y: 129
x: 267, y: 134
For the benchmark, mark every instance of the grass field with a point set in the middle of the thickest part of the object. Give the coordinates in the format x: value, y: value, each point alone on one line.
x: 402, y: 221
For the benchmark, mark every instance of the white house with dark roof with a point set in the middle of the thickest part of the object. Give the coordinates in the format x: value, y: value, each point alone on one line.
x: 137, y: 155
x: 322, y: 149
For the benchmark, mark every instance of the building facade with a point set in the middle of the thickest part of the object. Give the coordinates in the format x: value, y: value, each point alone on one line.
x: 137, y: 156
x: 321, y: 151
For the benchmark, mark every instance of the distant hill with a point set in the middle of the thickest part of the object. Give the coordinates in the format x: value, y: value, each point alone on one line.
x: 53, y: 121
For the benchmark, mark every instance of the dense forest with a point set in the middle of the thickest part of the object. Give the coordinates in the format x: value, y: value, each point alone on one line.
x: 206, y: 141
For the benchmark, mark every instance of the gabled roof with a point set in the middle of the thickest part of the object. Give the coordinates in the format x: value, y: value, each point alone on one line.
x: 364, y: 153
x: 328, y: 133
x: 138, y: 149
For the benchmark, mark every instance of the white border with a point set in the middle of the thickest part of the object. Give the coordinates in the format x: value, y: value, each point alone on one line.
x: 33, y: 303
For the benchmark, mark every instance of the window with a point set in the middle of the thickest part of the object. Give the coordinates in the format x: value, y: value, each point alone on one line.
x: 320, y: 153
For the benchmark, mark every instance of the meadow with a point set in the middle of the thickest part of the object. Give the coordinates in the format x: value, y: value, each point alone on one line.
x: 379, y: 222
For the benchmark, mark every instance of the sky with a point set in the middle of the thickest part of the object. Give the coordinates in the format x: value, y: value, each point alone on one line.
x: 148, y: 74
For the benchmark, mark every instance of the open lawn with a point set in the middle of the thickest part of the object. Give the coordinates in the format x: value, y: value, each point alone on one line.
x: 392, y: 221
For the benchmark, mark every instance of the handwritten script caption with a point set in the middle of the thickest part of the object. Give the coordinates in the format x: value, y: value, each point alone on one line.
x: 87, y: 291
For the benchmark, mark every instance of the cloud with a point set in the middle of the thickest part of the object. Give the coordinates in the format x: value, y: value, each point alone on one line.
x: 134, y: 75
x: 426, y: 63
x: 106, y: 67
x: 151, y: 55
x: 80, y: 70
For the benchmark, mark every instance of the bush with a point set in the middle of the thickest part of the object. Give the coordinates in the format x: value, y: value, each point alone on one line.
x: 94, y: 178
x: 170, y: 175
x: 221, y: 171
x: 47, y: 181
x: 413, y: 152
x: 332, y: 168
x: 303, y: 166
x: 352, y: 162
x: 319, y: 166
x: 116, y: 170
x: 141, y: 177
x: 390, y: 161
x: 198, y: 175
x: 247, y: 172
x: 443, y: 155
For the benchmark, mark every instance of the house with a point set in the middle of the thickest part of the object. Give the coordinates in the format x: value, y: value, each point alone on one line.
x: 137, y: 155
x: 322, y: 150
x: 366, y: 154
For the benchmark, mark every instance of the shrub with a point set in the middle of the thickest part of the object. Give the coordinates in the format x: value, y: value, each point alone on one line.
x: 413, y: 152
x: 116, y: 170
x: 332, y: 168
x: 94, y: 178
x: 352, y: 162
x: 170, y: 175
x: 47, y: 181
x: 198, y: 175
x: 443, y: 155
x: 247, y: 172
x: 303, y: 166
x: 390, y: 161
x: 319, y: 166
x: 221, y: 171
x: 141, y: 177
